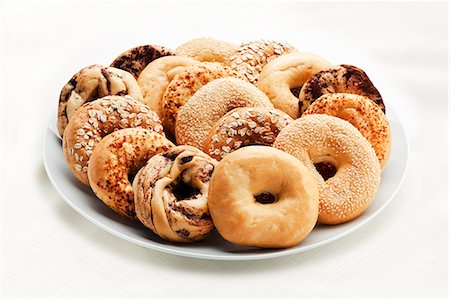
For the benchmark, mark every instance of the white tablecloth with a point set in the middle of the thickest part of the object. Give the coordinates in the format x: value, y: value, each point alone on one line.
x: 48, y: 250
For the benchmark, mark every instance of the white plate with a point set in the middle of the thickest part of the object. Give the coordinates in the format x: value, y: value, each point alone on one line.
x: 83, y: 200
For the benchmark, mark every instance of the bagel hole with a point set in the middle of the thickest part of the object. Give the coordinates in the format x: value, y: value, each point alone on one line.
x: 296, y: 91
x: 326, y: 169
x: 183, y: 191
x: 265, y: 198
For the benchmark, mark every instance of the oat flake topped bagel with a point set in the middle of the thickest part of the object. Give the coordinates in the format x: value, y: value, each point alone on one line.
x: 363, y: 114
x: 261, y: 196
x: 207, y: 49
x: 244, y: 126
x: 184, y: 85
x: 342, y: 78
x: 250, y: 58
x: 288, y: 72
x: 96, y: 119
x: 114, y: 162
x: 154, y: 79
x: 211, y: 102
x: 90, y: 83
x: 352, y: 171
x: 171, y: 193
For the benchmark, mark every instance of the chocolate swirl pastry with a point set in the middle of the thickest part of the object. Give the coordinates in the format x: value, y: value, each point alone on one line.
x: 136, y: 59
x: 171, y: 193
x: 91, y: 83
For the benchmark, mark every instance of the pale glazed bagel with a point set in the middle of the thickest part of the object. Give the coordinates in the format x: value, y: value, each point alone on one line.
x: 154, y: 79
x: 90, y: 83
x: 260, y: 196
x: 114, y: 161
x: 94, y: 120
x: 287, y: 72
x: 330, y: 142
x: 244, y: 126
x: 211, y: 102
x: 342, y: 78
x: 207, y: 49
x: 250, y: 58
x: 363, y: 114
x: 171, y: 193
x: 136, y: 59
x: 184, y: 85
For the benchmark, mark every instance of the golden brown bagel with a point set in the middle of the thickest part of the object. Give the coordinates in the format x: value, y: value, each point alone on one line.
x: 207, y: 49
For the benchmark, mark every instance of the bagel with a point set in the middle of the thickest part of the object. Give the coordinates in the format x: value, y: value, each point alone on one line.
x: 250, y: 58
x: 115, y: 160
x: 90, y: 83
x: 207, y: 49
x: 94, y: 120
x: 185, y: 83
x: 260, y: 196
x: 136, y: 59
x: 171, y: 193
x: 244, y: 126
x: 363, y: 114
x: 211, y: 102
x: 352, y: 171
x: 342, y: 78
x: 154, y: 79
x: 285, y: 73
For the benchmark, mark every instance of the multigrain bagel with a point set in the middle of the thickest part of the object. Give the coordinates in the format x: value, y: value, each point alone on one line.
x: 136, y: 59
x: 288, y: 72
x: 207, y: 49
x: 114, y: 162
x: 94, y: 120
x: 350, y: 171
x: 157, y: 75
x: 171, y: 193
x: 244, y: 126
x: 363, y: 114
x: 211, y: 102
x: 184, y: 85
x: 90, y: 83
x: 342, y: 78
x: 261, y: 196
x: 250, y: 58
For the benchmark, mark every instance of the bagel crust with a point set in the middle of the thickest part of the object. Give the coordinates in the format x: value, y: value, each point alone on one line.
x: 320, y: 138
x: 207, y: 49
x: 157, y: 75
x: 288, y: 72
x: 254, y: 172
x: 211, y: 102
x: 90, y: 83
x: 342, y: 78
x: 171, y: 193
x: 115, y: 159
x: 96, y: 119
x: 244, y: 126
x: 363, y: 114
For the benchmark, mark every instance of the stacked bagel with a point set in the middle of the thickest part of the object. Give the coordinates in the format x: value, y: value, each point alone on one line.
x: 257, y: 140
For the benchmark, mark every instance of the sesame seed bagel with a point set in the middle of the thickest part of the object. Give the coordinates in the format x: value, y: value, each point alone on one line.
x: 211, y: 102
x: 185, y: 83
x: 363, y: 114
x: 115, y: 159
x: 157, y: 75
x: 94, y: 120
x: 288, y: 72
x: 261, y: 196
x: 207, y: 49
x: 350, y: 171
x: 244, y: 126
x: 136, y: 59
x: 342, y: 78
x: 250, y: 58
x: 171, y: 193
x: 90, y: 83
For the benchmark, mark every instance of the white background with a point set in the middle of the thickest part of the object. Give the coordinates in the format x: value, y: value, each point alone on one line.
x: 49, y: 250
